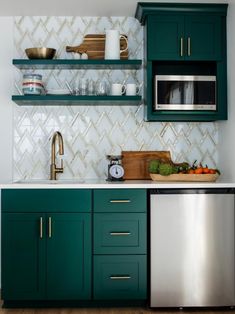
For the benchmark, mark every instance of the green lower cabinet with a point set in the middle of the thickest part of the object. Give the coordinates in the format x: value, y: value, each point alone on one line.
x: 23, y: 257
x: 121, y: 277
x: 46, y: 256
x: 68, y: 272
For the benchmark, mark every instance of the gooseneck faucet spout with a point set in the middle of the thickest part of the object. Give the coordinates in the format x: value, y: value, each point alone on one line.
x: 57, y: 136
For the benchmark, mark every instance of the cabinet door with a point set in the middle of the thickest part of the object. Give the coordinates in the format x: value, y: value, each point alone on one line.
x: 23, y: 257
x: 68, y: 256
x: 165, y: 37
x: 203, y: 37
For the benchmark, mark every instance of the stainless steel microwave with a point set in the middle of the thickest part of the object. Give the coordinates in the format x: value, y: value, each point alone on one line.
x: 185, y: 92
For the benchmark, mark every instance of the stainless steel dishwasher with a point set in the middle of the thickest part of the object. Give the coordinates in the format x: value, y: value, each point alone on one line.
x: 192, y: 247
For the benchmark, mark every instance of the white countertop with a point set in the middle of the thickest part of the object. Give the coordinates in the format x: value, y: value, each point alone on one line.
x: 103, y: 184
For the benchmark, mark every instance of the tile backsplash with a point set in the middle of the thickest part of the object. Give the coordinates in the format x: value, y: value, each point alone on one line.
x: 92, y: 132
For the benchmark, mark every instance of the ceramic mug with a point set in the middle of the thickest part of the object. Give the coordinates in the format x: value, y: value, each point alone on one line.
x: 112, y: 44
x: 117, y: 89
x: 132, y: 89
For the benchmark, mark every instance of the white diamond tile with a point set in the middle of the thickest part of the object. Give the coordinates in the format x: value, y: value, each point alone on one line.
x: 92, y: 132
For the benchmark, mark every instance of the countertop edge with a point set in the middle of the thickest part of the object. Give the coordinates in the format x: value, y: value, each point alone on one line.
x: 130, y: 184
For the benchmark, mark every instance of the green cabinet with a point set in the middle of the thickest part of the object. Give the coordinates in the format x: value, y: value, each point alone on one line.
x: 183, y: 37
x: 202, y: 37
x: 23, y: 257
x: 49, y: 255
x: 45, y: 255
x: 120, y: 244
x: 68, y: 256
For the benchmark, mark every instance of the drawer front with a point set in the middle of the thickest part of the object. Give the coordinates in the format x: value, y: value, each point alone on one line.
x: 120, y: 233
x: 120, y: 277
x: 46, y: 200
x: 120, y: 200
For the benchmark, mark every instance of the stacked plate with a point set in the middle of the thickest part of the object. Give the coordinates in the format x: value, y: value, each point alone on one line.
x: 32, y: 84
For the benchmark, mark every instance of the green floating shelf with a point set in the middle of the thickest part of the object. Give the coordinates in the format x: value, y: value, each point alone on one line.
x: 45, y: 64
x: 70, y: 100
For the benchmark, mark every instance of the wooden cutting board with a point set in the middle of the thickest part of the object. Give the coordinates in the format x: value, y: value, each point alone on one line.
x: 135, y: 163
x: 94, y: 46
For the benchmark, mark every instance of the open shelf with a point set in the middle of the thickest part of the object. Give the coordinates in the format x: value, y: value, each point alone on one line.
x: 45, y: 64
x: 71, y: 100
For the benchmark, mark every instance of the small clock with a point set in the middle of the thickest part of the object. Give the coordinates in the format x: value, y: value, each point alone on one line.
x: 115, y: 169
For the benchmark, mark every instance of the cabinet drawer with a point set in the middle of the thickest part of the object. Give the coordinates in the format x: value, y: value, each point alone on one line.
x: 46, y: 200
x: 120, y: 277
x: 120, y: 200
x: 120, y: 233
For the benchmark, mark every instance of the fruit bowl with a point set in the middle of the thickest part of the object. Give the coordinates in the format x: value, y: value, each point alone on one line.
x: 185, y: 177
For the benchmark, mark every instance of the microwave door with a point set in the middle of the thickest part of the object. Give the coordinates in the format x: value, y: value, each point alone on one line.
x: 173, y: 92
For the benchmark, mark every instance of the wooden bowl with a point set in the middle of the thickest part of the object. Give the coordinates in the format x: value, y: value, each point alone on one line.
x: 40, y: 53
x: 185, y: 177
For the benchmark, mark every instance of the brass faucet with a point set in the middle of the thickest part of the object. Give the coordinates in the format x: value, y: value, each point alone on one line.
x: 54, y: 170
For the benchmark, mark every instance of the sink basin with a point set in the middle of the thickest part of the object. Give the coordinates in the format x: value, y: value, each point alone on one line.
x: 36, y: 181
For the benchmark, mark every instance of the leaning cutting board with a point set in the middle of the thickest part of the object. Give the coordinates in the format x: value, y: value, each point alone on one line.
x: 135, y: 163
x: 94, y: 46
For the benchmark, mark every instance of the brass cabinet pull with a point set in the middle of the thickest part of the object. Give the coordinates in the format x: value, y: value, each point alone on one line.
x: 41, y: 228
x: 189, y: 46
x: 120, y: 233
x: 181, y: 46
x: 49, y: 228
x: 120, y: 277
x: 120, y: 201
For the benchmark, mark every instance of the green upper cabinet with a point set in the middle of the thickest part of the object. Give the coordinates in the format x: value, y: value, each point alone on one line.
x: 181, y: 37
x: 202, y: 37
x: 165, y: 36
x: 184, y: 39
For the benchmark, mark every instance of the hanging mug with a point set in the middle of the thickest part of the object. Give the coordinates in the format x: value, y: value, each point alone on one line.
x: 112, y: 44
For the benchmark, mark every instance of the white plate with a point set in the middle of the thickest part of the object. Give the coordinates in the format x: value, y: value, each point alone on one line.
x: 58, y: 92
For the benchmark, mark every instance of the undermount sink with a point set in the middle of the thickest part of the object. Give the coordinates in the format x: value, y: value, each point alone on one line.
x: 38, y: 181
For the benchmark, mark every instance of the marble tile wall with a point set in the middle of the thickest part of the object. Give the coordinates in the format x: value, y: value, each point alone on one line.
x: 92, y: 132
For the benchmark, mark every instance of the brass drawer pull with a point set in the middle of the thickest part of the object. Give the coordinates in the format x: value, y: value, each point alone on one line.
x: 181, y: 46
x: 120, y: 233
x: 120, y: 201
x: 120, y: 277
x: 41, y: 228
x: 49, y: 227
x: 189, y: 46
